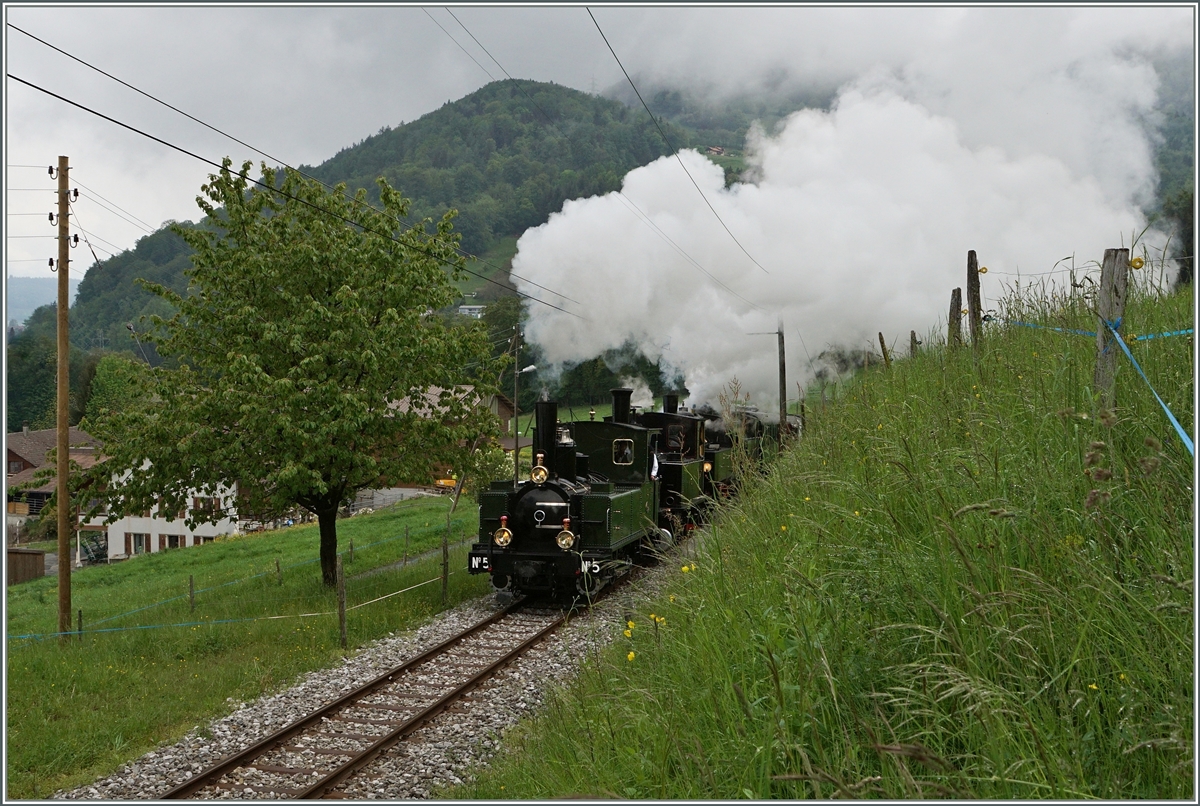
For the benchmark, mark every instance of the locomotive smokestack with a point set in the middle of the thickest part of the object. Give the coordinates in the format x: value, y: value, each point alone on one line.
x: 546, y: 428
x: 671, y: 403
x: 621, y: 399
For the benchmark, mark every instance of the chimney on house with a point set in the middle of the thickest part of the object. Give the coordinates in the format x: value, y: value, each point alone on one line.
x: 25, y: 427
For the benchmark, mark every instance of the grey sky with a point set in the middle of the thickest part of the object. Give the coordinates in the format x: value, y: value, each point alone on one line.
x: 302, y: 83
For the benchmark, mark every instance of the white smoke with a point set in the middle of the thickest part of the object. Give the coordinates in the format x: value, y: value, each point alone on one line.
x: 1025, y: 149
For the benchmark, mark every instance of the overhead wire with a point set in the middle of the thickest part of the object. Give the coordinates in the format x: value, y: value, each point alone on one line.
x: 637, y: 211
x: 279, y: 161
x: 280, y: 192
x: 107, y: 200
x: 670, y: 145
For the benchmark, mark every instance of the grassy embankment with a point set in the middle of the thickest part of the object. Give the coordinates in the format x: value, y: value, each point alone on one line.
x: 79, y: 711
x: 964, y: 581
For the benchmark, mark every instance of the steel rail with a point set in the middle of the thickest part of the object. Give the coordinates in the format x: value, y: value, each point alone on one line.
x: 214, y: 773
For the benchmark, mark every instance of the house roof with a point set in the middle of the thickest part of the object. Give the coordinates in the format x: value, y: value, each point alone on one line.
x: 33, y: 446
x: 83, y: 458
x: 428, y: 402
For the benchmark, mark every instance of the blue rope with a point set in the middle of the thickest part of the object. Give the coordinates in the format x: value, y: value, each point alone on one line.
x: 1059, y: 329
x: 1187, y: 332
x: 1187, y: 441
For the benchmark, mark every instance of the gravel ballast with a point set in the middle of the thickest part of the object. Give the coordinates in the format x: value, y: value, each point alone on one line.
x: 440, y: 754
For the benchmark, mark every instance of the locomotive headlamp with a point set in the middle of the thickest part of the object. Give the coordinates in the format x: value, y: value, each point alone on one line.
x: 708, y: 467
x: 565, y: 538
x: 539, y: 474
x: 503, y: 536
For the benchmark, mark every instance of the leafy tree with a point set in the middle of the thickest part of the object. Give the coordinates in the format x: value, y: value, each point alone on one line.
x: 1180, y: 210
x: 304, y: 333
x: 113, y: 383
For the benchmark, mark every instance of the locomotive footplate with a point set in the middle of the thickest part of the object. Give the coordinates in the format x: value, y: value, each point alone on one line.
x: 538, y: 571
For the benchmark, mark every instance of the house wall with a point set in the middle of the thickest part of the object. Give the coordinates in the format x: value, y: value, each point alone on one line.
x: 159, y: 530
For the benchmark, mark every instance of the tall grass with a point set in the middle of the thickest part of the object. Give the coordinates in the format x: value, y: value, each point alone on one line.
x: 80, y: 709
x: 965, y: 580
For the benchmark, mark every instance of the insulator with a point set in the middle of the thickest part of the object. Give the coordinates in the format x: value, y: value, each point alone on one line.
x: 51, y: 218
x: 50, y: 171
x: 75, y: 194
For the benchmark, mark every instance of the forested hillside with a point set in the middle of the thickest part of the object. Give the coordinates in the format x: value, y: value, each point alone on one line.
x: 506, y: 156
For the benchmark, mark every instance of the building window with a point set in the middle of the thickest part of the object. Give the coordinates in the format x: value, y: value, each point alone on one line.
x: 174, y: 541
x: 15, y: 467
x: 140, y: 543
x: 206, y: 505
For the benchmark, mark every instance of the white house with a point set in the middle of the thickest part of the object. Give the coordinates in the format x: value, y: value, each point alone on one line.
x: 156, y: 531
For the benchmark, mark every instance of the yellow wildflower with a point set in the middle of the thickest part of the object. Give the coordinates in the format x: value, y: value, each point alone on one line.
x: 672, y: 597
x: 630, y: 657
x: 1093, y: 687
x: 783, y: 527
x: 630, y: 624
x: 685, y: 569
x: 629, y: 633
x: 806, y: 498
x: 856, y: 513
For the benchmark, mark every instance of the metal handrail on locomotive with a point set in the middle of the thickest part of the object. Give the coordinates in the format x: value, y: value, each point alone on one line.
x: 600, y: 495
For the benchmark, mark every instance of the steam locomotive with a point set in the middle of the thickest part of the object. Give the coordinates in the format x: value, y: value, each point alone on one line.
x: 604, y: 494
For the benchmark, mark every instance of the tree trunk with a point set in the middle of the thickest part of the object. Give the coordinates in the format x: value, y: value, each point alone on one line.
x: 327, y: 519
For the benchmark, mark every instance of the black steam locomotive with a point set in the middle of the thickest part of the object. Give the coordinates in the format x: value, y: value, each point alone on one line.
x: 601, y: 495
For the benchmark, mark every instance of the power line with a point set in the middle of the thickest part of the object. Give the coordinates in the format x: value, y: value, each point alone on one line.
x: 670, y: 145
x: 279, y: 161
x: 118, y: 215
x: 455, y: 41
x: 113, y: 203
x: 638, y: 212
x: 207, y: 161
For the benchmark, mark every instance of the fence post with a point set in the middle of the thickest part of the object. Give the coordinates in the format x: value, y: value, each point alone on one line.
x: 81, y: 625
x: 887, y: 359
x: 192, y: 592
x: 341, y: 596
x: 973, y: 302
x: 351, y: 557
x: 1110, y: 305
x: 278, y: 571
x: 954, y: 324
x: 405, y: 564
x: 446, y: 561
x: 912, y: 343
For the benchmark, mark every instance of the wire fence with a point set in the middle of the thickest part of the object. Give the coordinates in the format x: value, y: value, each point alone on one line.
x: 1114, y: 329
x: 226, y: 604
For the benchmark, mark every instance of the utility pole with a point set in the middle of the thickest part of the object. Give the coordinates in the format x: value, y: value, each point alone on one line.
x: 782, y: 387
x: 64, y: 380
x: 516, y: 421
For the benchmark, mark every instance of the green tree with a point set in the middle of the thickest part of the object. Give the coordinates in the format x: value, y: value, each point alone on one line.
x: 307, y: 367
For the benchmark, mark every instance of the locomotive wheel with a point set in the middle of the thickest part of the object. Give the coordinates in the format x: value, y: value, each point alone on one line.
x: 589, y: 585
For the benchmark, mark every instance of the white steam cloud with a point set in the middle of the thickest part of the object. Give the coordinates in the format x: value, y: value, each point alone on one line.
x: 1025, y: 148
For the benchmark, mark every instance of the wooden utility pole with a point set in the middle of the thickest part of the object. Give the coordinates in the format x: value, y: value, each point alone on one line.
x: 516, y: 421
x: 782, y: 386
x: 1110, y: 305
x: 64, y: 391
x: 974, y: 305
x: 954, y: 324
x: 887, y: 358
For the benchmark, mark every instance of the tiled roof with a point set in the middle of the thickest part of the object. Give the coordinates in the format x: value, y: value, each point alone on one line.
x: 33, y: 446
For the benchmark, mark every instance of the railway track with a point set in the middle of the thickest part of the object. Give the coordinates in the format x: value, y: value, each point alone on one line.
x: 313, y: 757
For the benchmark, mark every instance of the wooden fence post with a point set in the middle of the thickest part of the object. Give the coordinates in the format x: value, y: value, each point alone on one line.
x: 405, y: 563
x: 446, y: 561
x: 192, y: 592
x: 351, y: 557
x: 341, y: 596
x: 278, y: 571
x: 887, y: 359
x: 974, y: 305
x: 1110, y: 305
x: 954, y: 324
x: 80, y: 625
x: 912, y: 343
